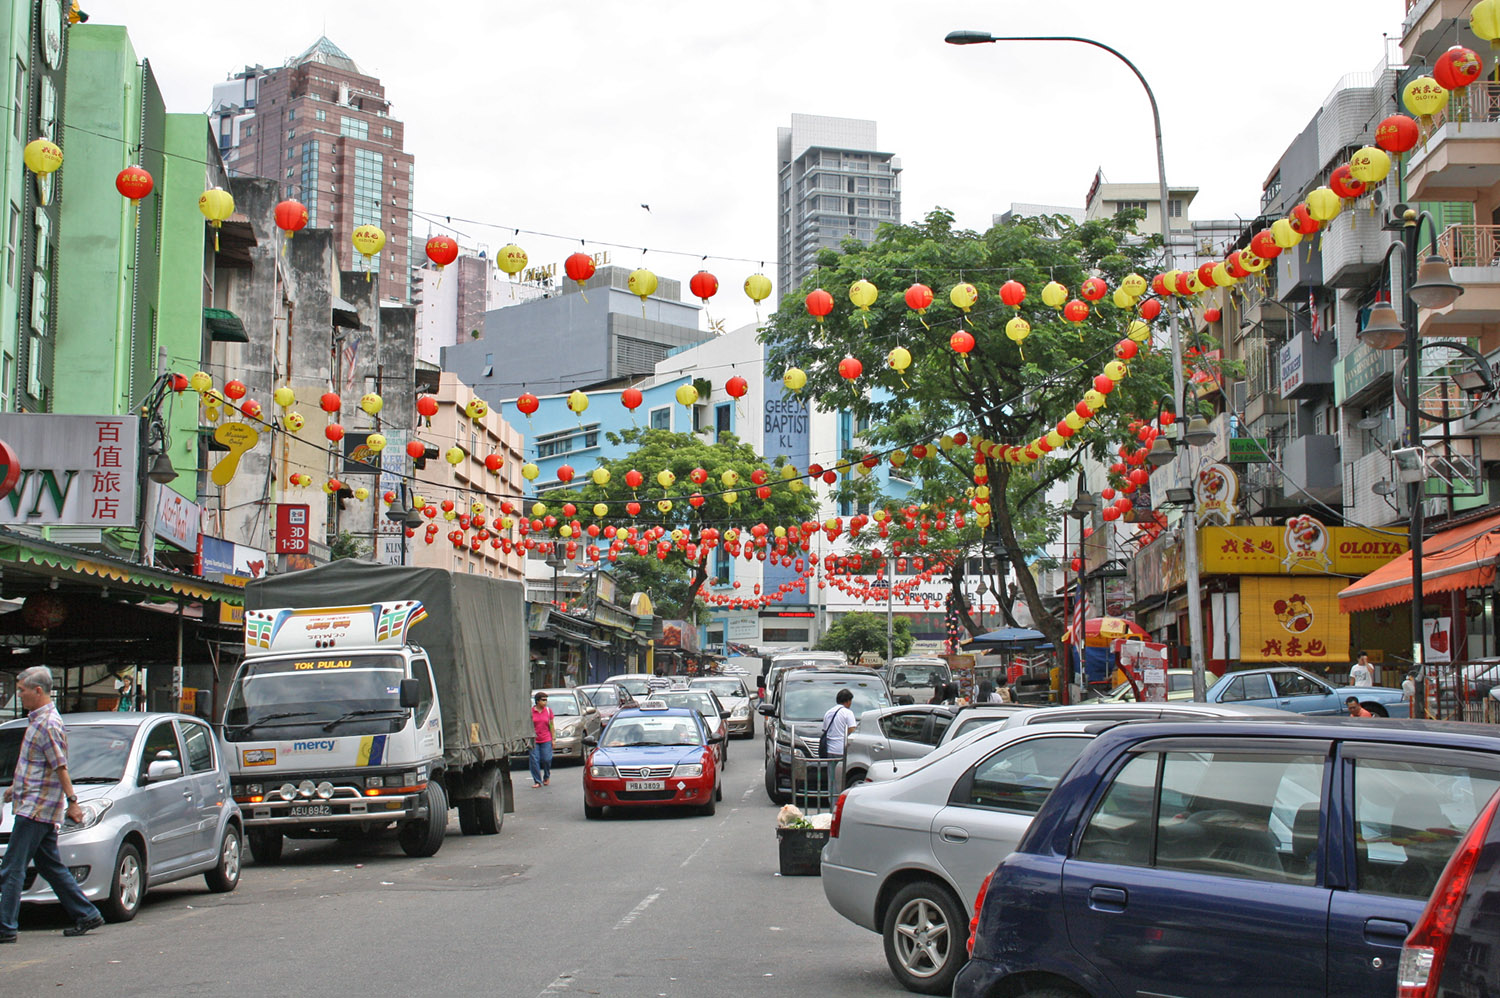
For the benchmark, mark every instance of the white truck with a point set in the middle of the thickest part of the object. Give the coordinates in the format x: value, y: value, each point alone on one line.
x: 339, y: 726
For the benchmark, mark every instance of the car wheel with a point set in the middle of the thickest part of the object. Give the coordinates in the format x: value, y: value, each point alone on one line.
x: 126, y: 886
x: 424, y: 836
x: 771, y: 791
x: 1376, y: 707
x: 592, y: 812
x: 265, y: 845
x: 468, y: 816
x: 925, y: 935
x: 225, y: 875
x: 855, y: 777
x: 489, y: 810
x: 707, y: 810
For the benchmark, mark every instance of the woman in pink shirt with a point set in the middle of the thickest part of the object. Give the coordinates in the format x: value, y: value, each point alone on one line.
x: 541, y: 752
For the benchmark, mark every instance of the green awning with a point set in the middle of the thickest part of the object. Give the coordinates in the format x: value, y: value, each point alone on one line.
x: 67, y: 561
x: 224, y: 326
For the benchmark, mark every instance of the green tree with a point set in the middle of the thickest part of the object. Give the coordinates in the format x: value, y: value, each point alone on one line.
x: 994, y: 393
x: 676, y: 574
x: 346, y: 545
x: 856, y: 633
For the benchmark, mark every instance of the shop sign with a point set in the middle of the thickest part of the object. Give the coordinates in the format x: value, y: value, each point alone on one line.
x: 228, y: 612
x: 1363, y: 366
x: 1293, y: 620
x: 226, y: 560
x: 743, y: 629
x: 1218, y: 489
x: 1437, y: 639
x: 178, y: 519
x: 69, y: 470
x: 1249, y: 450
x: 292, y: 528
x: 1292, y: 370
x: 1304, y: 546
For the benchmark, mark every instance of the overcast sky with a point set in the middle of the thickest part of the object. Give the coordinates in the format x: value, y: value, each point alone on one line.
x: 566, y: 117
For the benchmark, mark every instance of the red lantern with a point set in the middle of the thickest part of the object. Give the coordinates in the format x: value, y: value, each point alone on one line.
x: 442, y: 250
x: 492, y: 462
x: 1167, y: 418
x: 1103, y: 385
x: 1263, y: 245
x: 633, y: 479
x: 1083, y: 410
x: 1138, y: 476
x: 631, y: 398
x: 1093, y: 289
x: 961, y: 341
x: 134, y: 183
x: 736, y: 387
x: 527, y: 403
x: 330, y: 402
x: 819, y: 303
x: 633, y: 508
x: 1076, y: 565
x: 1150, y: 308
x: 291, y: 216
x: 1107, y: 493
x: 698, y: 475
x: 1126, y: 349
x: 579, y: 267
x: 1343, y: 183
x: 334, y: 432
x: 1013, y: 293
x: 704, y: 285
x: 1236, y: 268
x: 1303, y: 222
x: 850, y: 367
x: 565, y: 473
x: 252, y: 409
x: 1075, y: 311
x: 1159, y: 284
x: 1110, y: 513
x: 427, y: 405
x: 1397, y: 134
x: 180, y: 383
x: 918, y: 298
x: 1212, y: 315
x: 1457, y: 68
x: 830, y: 476
x: 234, y: 390
x: 415, y: 449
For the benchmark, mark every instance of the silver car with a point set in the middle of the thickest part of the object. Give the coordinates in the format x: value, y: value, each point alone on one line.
x: 890, y: 736
x: 573, y: 719
x: 734, y: 694
x: 966, y: 721
x: 154, y: 789
x: 905, y: 858
x: 917, y: 678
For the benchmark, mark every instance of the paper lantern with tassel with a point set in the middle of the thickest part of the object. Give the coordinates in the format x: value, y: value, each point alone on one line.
x: 42, y: 157
x: 368, y: 240
x: 511, y: 259
x: 134, y: 183
x: 291, y: 217
x: 217, y: 205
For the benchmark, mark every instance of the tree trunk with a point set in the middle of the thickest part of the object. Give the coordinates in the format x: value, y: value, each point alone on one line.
x: 700, y: 576
x: 1005, y: 529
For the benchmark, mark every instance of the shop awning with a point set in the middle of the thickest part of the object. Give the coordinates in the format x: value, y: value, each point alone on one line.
x: 61, y: 561
x: 1457, y: 558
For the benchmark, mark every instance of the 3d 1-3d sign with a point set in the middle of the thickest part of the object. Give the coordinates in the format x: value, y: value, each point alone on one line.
x: 69, y: 470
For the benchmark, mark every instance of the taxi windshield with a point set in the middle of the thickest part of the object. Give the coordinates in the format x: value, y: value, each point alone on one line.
x: 723, y: 687
x: 600, y: 696
x: 698, y: 700
x: 664, y: 729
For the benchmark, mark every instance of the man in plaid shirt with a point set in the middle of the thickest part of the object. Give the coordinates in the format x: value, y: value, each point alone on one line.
x: 40, y: 794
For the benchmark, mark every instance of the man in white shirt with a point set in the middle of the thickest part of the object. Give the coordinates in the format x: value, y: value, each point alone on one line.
x: 836, y: 724
x: 1360, y: 673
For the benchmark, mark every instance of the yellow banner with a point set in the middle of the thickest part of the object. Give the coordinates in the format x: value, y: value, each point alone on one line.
x: 1302, y: 547
x: 1296, y: 621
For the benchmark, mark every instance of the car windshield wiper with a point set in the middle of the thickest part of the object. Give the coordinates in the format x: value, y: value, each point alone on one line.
x: 244, y: 728
x: 364, y: 712
x: 96, y: 779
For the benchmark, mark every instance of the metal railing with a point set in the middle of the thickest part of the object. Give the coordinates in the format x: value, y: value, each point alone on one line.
x: 1477, y: 102
x: 1460, y: 691
x: 1469, y: 245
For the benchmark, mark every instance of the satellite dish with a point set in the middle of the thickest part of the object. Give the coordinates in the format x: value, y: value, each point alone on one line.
x: 1369, y: 423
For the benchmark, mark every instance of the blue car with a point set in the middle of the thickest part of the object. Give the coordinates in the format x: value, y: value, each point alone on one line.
x: 1231, y: 859
x: 1287, y: 688
x: 653, y: 755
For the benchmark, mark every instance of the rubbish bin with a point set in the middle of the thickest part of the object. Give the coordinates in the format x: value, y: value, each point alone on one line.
x: 801, y: 851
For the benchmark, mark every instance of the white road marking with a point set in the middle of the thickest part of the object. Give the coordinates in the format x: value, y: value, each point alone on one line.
x: 690, y: 855
x: 559, y: 985
x: 638, y: 909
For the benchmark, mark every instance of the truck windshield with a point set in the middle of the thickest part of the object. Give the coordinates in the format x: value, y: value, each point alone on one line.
x: 313, y: 689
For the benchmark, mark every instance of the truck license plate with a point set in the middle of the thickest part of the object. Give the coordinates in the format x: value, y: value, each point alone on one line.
x: 310, y: 810
x: 645, y: 784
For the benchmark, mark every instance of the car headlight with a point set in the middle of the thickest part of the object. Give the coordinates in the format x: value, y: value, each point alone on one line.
x: 603, y: 773
x: 740, y: 712
x: 93, y: 812
x: 688, y: 769
x: 567, y: 729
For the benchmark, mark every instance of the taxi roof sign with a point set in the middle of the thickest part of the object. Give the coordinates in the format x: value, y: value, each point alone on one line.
x: 653, y: 705
x: 324, y: 628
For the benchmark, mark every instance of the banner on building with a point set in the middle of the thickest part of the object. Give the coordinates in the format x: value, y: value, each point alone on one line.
x: 179, y: 520
x: 1293, y: 620
x: 69, y: 470
x: 1437, y: 639
x: 1304, y: 546
x: 1218, y: 489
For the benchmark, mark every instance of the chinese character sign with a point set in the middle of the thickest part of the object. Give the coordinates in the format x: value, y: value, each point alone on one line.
x: 1294, y: 620
x: 292, y: 528
x: 71, y: 470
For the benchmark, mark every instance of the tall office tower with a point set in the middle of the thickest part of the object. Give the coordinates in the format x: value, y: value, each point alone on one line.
x: 323, y: 128
x: 831, y: 184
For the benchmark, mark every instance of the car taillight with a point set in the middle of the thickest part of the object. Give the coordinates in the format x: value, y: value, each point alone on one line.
x: 1421, y: 965
x: 838, y: 816
x: 978, y: 907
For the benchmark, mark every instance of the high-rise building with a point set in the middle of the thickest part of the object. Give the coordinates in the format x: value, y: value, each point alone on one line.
x: 451, y: 302
x: 831, y: 184
x: 323, y: 128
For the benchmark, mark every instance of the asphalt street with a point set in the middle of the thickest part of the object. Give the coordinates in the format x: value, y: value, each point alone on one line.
x: 635, y: 906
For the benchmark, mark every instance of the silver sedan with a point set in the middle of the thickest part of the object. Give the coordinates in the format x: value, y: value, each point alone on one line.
x: 734, y: 694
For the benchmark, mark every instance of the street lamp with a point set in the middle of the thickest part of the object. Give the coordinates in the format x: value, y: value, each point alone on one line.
x: 1430, y: 286
x: 405, y: 517
x: 1190, y: 532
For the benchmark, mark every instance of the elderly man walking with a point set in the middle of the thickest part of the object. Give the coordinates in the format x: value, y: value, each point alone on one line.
x: 40, y: 794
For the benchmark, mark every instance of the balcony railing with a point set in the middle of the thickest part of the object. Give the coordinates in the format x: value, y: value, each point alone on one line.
x: 1470, y: 245
x: 1476, y: 102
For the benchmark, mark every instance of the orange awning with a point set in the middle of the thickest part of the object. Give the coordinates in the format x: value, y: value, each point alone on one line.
x: 1458, y: 558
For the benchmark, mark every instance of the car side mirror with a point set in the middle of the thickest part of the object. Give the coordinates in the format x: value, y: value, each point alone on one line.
x: 590, y: 740
x: 411, y: 693
x: 767, y: 709
x: 723, y: 713
x: 714, y: 739
x: 163, y: 769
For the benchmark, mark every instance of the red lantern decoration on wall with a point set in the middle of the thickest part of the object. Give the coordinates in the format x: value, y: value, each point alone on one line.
x: 961, y: 341
x: 527, y: 403
x: 579, y: 267
x: 291, y: 216
x: 1397, y: 134
x: 1457, y: 68
x: 334, y: 432
x: 134, y: 183
x: 704, y: 285
x: 442, y: 250
x: 736, y: 387
x: 492, y: 462
x: 630, y: 398
x: 819, y: 303
x: 330, y: 402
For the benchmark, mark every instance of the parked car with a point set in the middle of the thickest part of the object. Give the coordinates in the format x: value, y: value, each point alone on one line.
x: 1289, y: 688
x: 1179, y: 687
x: 1095, y: 710
x: 893, y: 735
x: 653, y: 756
x: 736, y: 696
x: 917, y: 678
x: 793, y: 719
x: 637, y: 683
x: 154, y: 789
x: 1454, y: 948
x: 715, y: 714
x: 966, y: 720
x: 1261, y: 857
x: 607, y: 698
x: 800, y: 660
x: 574, y: 718
x: 904, y: 857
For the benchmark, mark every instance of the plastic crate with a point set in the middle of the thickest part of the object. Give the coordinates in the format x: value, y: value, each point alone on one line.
x: 801, y: 851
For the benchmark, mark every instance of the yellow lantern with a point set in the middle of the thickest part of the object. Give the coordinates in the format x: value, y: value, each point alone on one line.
x: 899, y: 358
x: 1251, y: 262
x: 1135, y: 284
x: 1123, y: 298
x: 794, y: 379
x: 1017, y: 329
x: 375, y: 442
x: 455, y: 455
x: 600, y: 476
x: 1424, y: 97
x: 730, y: 478
x: 758, y: 287
x: 361, y: 493
x: 1323, y: 205
x: 417, y: 502
x: 1370, y: 164
x: 477, y: 409
x: 863, y: 294
x: 788, y: 472
x: 1194, y: 283
x: 217, y: 206
x: 730, y: 497
x: 1223, y: 278
x: 538, y: 509
x: 476, y: 508
x: 898, y: 458
x: 1094, y: 399
x: 285, y: 397
x: 371, y: 403
x: 511, y: 259
x: 565, y: 531
x: 1138, y: 331
x: 861, y: 470
x: 1073, y: 421
x: 600, y: 509
x: 42, y: 157
x: 642, y: 283
x: 368, y: 240
x: 529, y: 471
x: 1054, y: 439
x: 201, y: 381
x: 963, y: 296
x: 295, y: 422
x: 665, y: 478
x: 687, y: 395
x: 578, y: 401
x: 1484, y: 21
x: 1054, y: 295
x: 1115, y: 370
x: 1283, y: 233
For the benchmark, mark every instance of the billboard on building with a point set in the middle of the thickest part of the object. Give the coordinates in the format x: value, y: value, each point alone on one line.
x: 69, y: 470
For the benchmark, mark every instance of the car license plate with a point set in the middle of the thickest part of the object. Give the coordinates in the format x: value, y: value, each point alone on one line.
x: 645, y: 784
x: 310, y: 810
